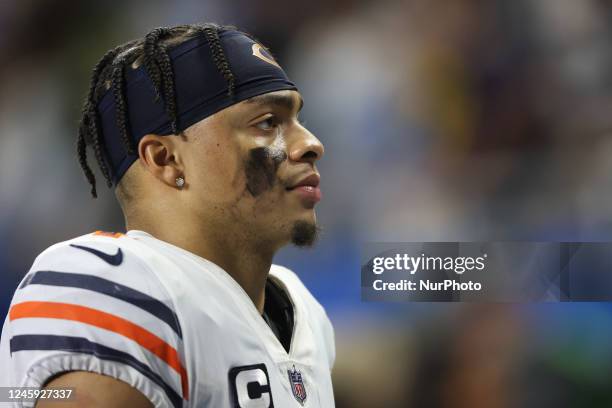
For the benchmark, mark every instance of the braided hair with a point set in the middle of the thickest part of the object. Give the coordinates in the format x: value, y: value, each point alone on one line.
x: 109, y: 74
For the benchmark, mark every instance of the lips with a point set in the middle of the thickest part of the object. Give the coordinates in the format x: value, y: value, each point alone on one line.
x: 308, y: 189
x: 310, y: 181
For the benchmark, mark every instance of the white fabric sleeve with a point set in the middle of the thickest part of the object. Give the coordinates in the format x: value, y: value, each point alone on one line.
x: 90, y: 305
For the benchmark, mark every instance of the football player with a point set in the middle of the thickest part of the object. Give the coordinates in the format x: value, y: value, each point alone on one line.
x: 196, y: 128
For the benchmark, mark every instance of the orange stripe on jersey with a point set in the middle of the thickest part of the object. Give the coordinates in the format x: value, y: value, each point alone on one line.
x: 109, y: 234
x: 67, y: 311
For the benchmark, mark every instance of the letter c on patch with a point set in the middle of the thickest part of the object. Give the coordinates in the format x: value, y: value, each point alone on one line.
x: 250, y: 387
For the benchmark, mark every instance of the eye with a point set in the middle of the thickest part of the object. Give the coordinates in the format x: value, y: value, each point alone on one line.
x: 268, y: 123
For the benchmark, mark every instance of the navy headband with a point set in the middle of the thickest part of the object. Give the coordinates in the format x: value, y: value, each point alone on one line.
x: 200, y: 91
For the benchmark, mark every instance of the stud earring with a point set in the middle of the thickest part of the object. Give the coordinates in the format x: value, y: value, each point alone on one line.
x: 180, y: 182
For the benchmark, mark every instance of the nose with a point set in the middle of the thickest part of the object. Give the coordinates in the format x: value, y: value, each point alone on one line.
x: 305, y: 147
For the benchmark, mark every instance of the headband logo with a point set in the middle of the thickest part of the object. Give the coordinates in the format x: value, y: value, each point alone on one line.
x: 263, y: 54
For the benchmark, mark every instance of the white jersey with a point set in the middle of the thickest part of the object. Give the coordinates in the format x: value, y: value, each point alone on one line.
x: 169, y: 323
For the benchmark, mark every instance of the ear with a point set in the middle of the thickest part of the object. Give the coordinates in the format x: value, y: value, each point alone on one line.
x: 160, y: 157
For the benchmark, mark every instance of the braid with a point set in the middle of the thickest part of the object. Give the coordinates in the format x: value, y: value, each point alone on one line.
x: 117, y: 84
x: 159, y: 67
x: 168, y: 81
x: 109, y: 74
x: 88, y: 123
x: 212, y: 36
x: 82, y: 154
x: 150, y: 44
x: 97, y: 146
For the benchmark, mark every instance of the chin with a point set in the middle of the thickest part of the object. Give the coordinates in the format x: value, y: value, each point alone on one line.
x: 309, y: 215
x: 304, y: 233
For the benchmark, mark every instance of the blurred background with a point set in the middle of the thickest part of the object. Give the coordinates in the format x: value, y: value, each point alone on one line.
x: 449, y: 120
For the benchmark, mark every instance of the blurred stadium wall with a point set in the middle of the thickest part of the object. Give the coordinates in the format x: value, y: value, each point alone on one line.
x: 448, y: 120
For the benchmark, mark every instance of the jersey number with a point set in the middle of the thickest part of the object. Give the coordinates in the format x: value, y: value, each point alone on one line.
x: 251, y: 386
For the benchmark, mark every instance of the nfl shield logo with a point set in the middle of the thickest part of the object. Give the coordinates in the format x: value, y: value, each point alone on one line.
x: 297, y: 385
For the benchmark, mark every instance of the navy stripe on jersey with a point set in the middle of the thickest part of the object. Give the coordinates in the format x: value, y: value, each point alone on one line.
x: 110, y: 288
x: 82, y: 345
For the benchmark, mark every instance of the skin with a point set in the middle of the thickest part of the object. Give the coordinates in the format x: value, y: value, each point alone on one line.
x: 96, y: 391
x: 234, y: 209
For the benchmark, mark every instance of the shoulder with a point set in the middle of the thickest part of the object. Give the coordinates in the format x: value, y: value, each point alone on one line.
x: 92, y: 304
x: 105, y: 264
x: 91, y: 252
x: 93, y: 259
x: 318, y: 316
x: 97, y: 263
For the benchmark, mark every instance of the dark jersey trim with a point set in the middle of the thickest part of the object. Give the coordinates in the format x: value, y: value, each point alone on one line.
x: 109, y: 288
x: 82, y: 345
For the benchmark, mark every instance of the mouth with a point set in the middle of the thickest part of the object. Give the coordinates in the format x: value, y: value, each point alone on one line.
x: 308, y: 189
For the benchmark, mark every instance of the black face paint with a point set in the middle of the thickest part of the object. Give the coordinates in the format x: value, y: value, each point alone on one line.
x: 261, y: 169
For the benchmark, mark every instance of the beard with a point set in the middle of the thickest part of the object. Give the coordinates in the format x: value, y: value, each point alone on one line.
x: 304, y: 234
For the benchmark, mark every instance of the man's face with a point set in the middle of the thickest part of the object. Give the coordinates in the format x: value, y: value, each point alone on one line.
x: 250, y: 170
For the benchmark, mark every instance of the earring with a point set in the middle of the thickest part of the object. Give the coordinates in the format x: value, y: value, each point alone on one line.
x: 180, y: 182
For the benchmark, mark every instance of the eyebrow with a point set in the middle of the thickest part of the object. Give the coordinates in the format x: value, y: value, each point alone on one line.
x: 283, y: 100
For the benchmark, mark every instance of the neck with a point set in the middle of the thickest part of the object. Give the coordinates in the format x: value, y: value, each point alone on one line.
x: 244, y: 261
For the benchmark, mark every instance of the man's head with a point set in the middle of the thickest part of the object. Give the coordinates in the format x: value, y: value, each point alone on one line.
x: 247, y: 163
